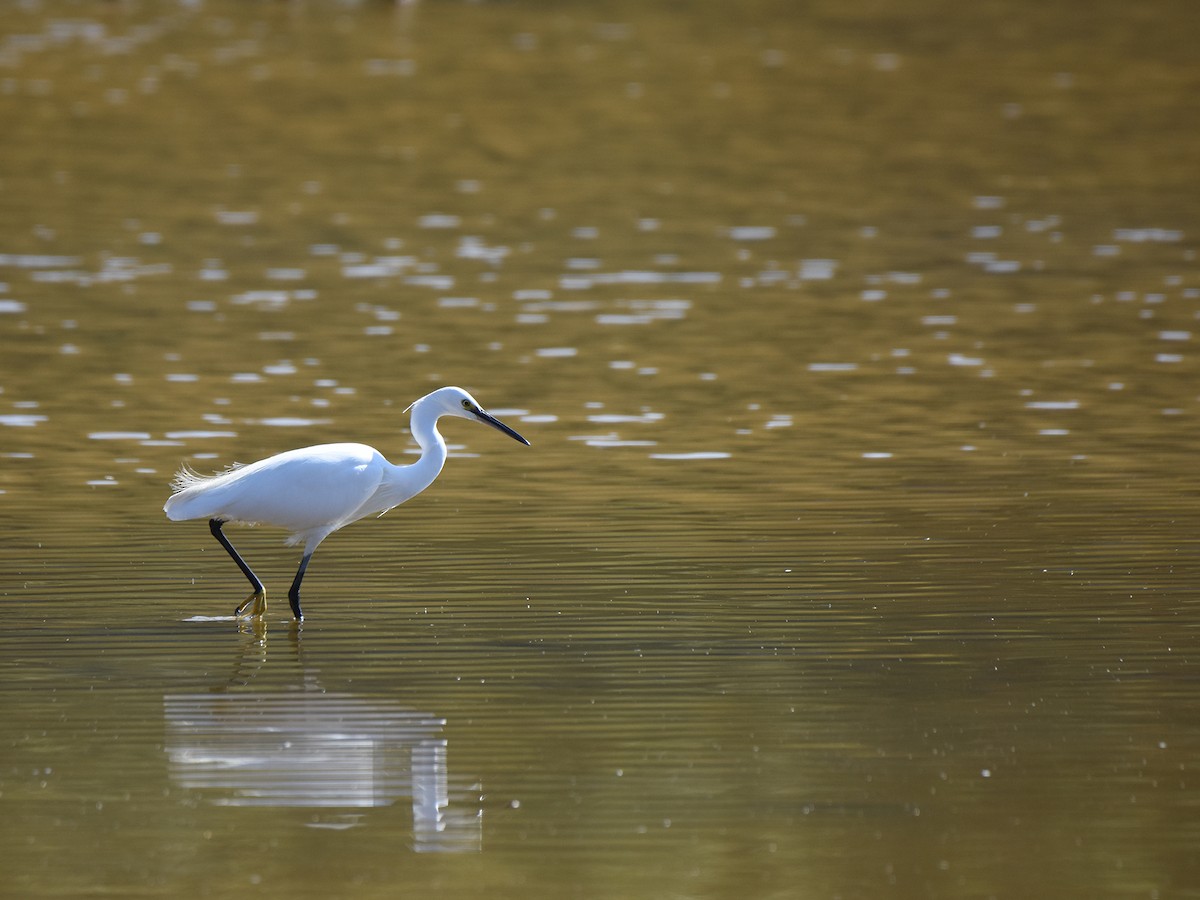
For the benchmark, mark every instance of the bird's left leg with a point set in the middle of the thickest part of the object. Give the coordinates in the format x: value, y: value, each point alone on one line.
x: 259, y: 596
x: 294, y: 590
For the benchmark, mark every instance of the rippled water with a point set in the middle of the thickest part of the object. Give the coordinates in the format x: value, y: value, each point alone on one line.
x: 854, y: 551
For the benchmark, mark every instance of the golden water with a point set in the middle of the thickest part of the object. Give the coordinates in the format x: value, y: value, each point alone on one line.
x: 854, y: 554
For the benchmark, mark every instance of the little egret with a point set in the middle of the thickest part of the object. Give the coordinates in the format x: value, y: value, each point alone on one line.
x: 314, y: 491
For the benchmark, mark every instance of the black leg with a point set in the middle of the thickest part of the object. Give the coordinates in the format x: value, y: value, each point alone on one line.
x: 259, y: 596
x: 294, y: 590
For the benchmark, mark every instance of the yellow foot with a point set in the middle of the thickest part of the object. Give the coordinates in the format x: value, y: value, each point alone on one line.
x: 259, y: 599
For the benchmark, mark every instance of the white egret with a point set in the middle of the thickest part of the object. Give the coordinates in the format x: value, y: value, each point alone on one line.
x: 314, y: 491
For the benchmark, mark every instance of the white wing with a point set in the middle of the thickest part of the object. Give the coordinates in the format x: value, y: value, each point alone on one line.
x: 311, y: 491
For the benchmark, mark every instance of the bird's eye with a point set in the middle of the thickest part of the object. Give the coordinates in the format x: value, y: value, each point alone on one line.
x: 467, y: 405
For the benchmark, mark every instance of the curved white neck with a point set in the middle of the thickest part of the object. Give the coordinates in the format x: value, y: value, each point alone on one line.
x: 433, y: 449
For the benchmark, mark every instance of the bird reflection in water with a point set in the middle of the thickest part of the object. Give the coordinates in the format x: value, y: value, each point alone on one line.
x: 304, y: 747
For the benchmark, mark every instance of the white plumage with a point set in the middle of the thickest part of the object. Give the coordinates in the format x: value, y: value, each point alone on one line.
x: 314, y: 491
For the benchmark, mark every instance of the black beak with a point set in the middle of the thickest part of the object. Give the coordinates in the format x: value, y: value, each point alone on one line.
x: 498, y: 425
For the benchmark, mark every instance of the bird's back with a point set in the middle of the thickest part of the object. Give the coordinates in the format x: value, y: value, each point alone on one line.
x: 310, y: 490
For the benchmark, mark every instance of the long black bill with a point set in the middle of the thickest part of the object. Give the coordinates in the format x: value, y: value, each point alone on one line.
x: 498, y: 425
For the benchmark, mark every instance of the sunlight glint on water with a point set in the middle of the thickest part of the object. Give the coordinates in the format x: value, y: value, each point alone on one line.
x: 853, y: 553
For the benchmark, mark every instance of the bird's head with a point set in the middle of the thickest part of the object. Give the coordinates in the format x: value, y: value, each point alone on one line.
x: 454, y: 401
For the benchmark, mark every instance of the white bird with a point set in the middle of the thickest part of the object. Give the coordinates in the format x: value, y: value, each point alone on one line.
x: 314, y: 491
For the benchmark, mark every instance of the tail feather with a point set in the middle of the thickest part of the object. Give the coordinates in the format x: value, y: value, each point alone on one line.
x: 182, y: 487
x: 187, y: 477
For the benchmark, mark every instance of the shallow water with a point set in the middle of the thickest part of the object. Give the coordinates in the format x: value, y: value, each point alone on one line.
x: 854, y: 552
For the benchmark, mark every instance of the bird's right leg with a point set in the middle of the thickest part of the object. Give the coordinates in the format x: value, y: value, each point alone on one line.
x: 294, y: 591
x: 259, y: 596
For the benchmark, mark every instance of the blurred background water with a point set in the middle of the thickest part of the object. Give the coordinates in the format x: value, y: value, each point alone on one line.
x: 854, y: 555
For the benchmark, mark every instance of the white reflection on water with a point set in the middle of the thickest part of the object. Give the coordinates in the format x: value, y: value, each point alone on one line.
x: 751, y: 232
x: 289, y: 422
x: 38, y: 261
x: 695, y: 454
x: 1052, y: 404
x: 319, y: 750
x: 439, y: 220
x: 614, y: 442
x: 381, y: 267
x: 622, y: 418
x: 817, y: 269
x: 198, y: 434
x: 118, y: 436
x: 475, y: 248
x: 271, y: 299
x: 1148, y: 235
x: 583, y: 282
x: 236, y: 216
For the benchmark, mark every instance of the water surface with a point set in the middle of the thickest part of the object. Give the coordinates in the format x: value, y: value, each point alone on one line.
x: 854, y: 552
